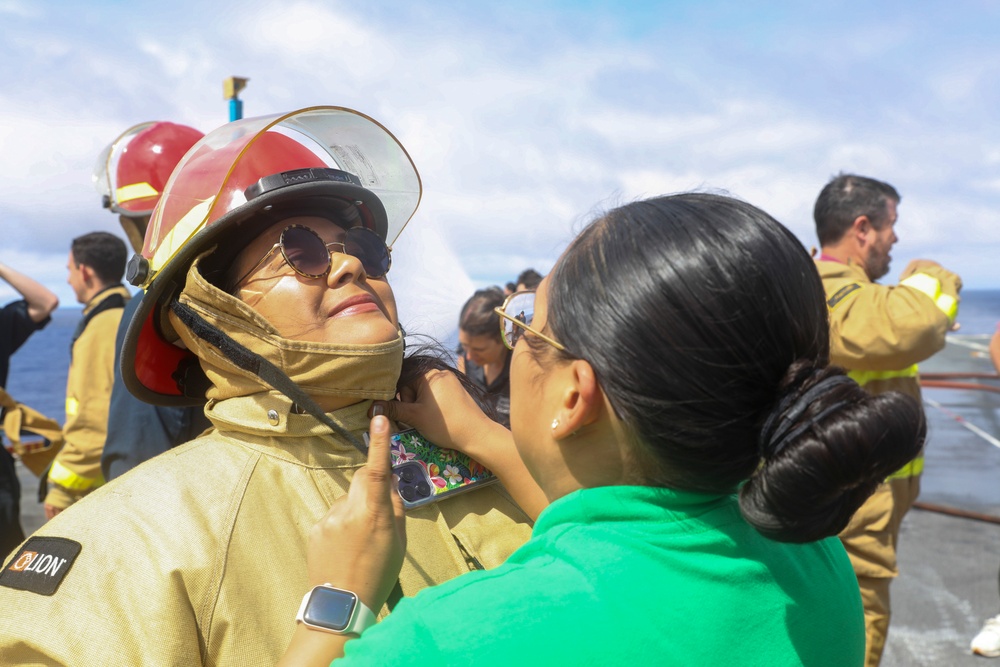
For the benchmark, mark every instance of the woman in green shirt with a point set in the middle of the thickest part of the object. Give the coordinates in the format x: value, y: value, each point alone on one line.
x: 688, y: 452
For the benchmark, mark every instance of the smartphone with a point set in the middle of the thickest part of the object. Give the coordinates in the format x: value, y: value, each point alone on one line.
x: 427, y: 473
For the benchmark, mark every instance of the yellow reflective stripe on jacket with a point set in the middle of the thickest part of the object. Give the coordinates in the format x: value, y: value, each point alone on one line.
x: 931, y: 286
x: 864, y: 377
x: 66, y: 478
x: 72, y: 406
x: 911, y: 469
x: 948, y: 305
x: 135, y: 191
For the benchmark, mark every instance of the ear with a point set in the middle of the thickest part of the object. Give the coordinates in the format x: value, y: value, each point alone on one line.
x: 861, y: 228
x: 87, y: 274
x: 582, y: 401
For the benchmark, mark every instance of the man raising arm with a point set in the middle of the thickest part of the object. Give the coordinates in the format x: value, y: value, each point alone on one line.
x: 878, y: 333
x: 18, y: 320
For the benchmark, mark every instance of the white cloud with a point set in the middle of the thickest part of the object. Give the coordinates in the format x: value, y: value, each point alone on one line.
x: 429, y: 281
x: 521, y: 130
x: 18, y: 9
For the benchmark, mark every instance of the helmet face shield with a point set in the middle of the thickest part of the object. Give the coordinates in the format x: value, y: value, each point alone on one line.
x: 211, y: 181
x: 330, y: 162
x: 106, y: 168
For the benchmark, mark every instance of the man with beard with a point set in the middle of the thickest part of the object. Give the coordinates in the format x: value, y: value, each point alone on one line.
x: 878, y: 333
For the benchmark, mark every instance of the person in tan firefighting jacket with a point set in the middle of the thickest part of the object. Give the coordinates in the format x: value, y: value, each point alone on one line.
x: 130, y: 175
x: 96, y: 264
x: 878, y: 333
x: 265, y: 292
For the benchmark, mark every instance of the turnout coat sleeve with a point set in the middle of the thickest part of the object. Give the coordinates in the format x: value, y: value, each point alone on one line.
x: 883, y: 327
x: 198, y: 556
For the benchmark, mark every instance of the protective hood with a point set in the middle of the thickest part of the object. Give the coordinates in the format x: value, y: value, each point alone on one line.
x: 319, y: 369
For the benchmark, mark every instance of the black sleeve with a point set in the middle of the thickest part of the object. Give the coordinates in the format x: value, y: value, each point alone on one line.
x: 16, y: 325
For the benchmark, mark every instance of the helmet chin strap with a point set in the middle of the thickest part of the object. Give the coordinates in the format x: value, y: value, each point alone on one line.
x: 254, y: 363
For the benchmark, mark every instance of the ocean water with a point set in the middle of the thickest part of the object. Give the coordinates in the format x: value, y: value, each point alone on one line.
x: 979, y: 312
x: 962, y: 468
x: 38, y: 370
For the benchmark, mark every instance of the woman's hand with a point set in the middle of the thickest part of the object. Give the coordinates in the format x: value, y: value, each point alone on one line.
x: 438, y: 406
x: 359, y: 544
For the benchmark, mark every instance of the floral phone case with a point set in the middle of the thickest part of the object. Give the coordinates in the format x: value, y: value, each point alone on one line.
x: 427, y: 473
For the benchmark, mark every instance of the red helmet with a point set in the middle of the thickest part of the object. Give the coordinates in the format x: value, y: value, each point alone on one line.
x: 141, y: 159
x: 326, y: 161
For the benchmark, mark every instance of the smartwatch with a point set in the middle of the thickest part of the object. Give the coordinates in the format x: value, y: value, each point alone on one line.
x: 334, y: 610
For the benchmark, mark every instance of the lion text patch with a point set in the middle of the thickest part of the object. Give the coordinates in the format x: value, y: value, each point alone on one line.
x: 40, y: 565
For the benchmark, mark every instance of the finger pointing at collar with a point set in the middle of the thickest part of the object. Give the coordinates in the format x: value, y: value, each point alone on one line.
x: 359, y: 544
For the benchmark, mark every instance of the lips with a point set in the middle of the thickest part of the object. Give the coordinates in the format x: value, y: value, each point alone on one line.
x: 362, y: 303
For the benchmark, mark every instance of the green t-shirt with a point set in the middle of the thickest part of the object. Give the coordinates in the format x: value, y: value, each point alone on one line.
x: 639, y: 576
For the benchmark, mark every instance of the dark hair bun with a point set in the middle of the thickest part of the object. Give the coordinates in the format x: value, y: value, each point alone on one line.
x: 826, y: 446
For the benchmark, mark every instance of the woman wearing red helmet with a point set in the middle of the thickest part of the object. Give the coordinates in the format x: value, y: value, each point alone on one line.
x: 264, y: 268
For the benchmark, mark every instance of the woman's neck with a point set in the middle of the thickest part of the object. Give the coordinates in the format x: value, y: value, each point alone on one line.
x: 493, y: 370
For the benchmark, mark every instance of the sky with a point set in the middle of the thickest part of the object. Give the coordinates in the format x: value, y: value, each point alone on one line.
x: 526, y: 119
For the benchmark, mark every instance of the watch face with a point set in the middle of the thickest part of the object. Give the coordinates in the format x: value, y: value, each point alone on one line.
x: 331, y: 609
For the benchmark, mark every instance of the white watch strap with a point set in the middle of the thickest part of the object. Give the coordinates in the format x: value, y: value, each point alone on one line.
x: 362, y: 618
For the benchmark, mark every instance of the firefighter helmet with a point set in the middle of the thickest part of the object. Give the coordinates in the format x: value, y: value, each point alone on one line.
x: 132, y: 171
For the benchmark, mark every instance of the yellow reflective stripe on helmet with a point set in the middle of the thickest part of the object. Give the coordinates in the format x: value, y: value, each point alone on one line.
x: 135, y: 191
x: 175, y: 239
x: 66, y: 478
x: 930, y: 286
x: 864, y: 377
x: 911, y: 469
x: 72, y: 406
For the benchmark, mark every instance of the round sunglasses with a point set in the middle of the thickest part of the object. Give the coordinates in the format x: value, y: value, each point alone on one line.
x: 309, y: 255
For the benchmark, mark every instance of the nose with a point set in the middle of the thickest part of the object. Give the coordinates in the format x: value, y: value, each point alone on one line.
x: 344, y: 269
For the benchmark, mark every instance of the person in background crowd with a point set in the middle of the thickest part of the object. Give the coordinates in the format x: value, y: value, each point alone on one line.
x: 680, y: 524
x: 987, y: 642
x: 267, y: 300
x: 96, y: 265
x: 528, y: 280
x: 130, y: 175
x: 483, y: 356
x: 509, y: 288
x: 18, y: 320
x: 878, y: 333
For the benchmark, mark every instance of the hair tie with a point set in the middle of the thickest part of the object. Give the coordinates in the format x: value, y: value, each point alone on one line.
x: 787, y: 417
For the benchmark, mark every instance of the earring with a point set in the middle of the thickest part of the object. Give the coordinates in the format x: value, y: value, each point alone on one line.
x: 555, y: 424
